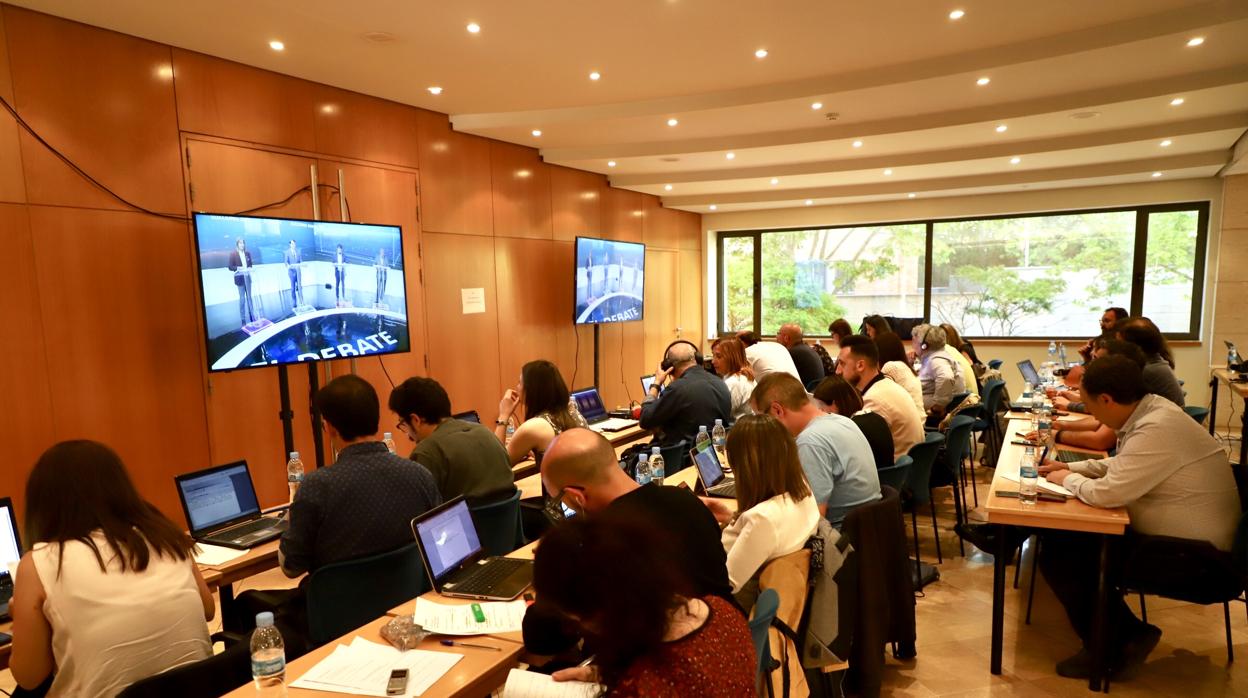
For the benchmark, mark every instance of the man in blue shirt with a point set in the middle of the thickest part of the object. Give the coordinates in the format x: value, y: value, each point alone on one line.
x: 835, y: 455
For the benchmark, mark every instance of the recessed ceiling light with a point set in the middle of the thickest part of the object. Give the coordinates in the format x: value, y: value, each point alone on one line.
x: 730, y: 156
x: 809, y: 202
x: 1002, y: 128
x: 1156, y: 174
x: 1196, y: 41
x: 1176, y: 101
x: 672, y: 122
x: 816, y: 105
x: 761, y: 53
x: 888, y: 173
x: 1166, y: 143
x: 537, y: 132
x: 610, y: 163
x: 667, y: 187
x: 983, y: 81
x: 277, y: 45
x: 957, y: 14
x: 474, y: 28
x: 775, y: 180
x: 857, y: 144
x: 435, y: 90
x: 712, y: 207
x: 595, y: 75
x: 911, y: 195
x: 1015, y: 161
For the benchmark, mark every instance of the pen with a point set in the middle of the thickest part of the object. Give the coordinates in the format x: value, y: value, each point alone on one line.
x: 452, y: 643
x: 588, y: 660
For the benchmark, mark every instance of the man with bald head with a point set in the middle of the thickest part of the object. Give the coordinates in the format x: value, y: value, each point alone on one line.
x: 692, y: 398
x: 809, y: 365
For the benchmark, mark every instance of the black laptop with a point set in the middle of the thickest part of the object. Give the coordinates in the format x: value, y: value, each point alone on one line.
x: 456, y: 561
x: 221, y: 507
x: 10, y: 553
x: 589, y: 404
x: 711, y: 474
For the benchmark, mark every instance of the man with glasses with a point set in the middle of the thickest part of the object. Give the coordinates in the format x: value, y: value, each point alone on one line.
x: 465, y: 458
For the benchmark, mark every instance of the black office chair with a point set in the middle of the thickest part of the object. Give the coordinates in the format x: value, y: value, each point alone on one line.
x: 345, y: 595
x: 498, y: 525
x: 207, y: 678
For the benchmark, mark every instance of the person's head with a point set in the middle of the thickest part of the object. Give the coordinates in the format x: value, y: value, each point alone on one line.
x: 681, y: 356
x: 613, y: 575
x: 581, y: 467
x: 839, y: 328
x: 876, y: 325
x: 859, y: 360
x: 292, y: 244
x: 728, y: 355
x: 838, y: 396
x: 764, y: 461
x: 340, y: 248
x: 952, y: 338
x: 350, y: 408
x: 1112, y: 387
x: 748, y: 338
x: 1111, y: 316
x: 790, y: 334
x: 927, y: 339
x: 1144, y: 334
x: 421, y: 404
x: 1118, y: 347
x: 240, y: 244
x: 891, y: 348
x: 542, y: 390
x: 782, y: 396
x: 78, y: 487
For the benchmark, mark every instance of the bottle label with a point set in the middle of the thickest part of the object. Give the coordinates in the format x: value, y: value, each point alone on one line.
x: 268, y: 667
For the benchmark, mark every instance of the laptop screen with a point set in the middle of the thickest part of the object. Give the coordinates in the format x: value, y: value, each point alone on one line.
x: 708, y: 465
x: 469, y: 416
x: 218, y: 495
x: 646, y: 382
x: 10, y: 543
x: 448, y: 538
x: 589, y: 404
x: 1028, y: 370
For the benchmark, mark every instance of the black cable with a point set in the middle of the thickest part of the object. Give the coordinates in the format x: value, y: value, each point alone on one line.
x: 627, y: 392
x: 576, y: 359
x: 386, y: 371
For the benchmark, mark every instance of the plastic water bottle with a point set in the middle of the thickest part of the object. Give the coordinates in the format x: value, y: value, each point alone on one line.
x: 1052, y: 350
x: 656, y: 465
x: 388, y: 439
x: 511, y: 431
x: 719, y: 437
x: 268, y: 656
x: 1025, y: 398
x: 1028, y: 477
x: 701, y: 438
x: 294, y: 474
x: 1044, y: 424
x: 644, y: 474
x: 1061, y: 354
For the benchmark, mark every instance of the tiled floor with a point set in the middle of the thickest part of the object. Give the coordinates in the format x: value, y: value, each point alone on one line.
x: 954, y: 635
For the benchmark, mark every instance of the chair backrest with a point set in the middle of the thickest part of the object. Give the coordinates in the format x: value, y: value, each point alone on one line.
x: 995, y: 364
x: 498, y: 525
x: 345, y: 595
x: 207, y: 678
x: 924, y: 456
x: 675, y: 457
x: 897, y: 474
x: 788, y: 576
x: 1197, y: 413
x: 993, y: 390
x: 764, y: 612
x: 957, y: 438
x: 955, y: 401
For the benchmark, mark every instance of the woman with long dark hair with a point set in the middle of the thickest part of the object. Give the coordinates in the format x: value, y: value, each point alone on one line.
x: 896, y: 365
x: 839, y: 397
x: 109, y: 592
x: 547, y: 412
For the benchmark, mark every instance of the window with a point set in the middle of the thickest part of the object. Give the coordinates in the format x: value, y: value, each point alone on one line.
x: 1044, y: 275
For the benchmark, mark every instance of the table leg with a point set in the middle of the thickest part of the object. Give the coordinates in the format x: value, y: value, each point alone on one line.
x: 1213, y: 404
x: 1243, y: 436
x: 999, y: 559
x: 1100, y: 672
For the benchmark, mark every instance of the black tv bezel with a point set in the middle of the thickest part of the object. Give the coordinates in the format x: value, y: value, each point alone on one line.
x: 203, y: 309
x: 576, y: 248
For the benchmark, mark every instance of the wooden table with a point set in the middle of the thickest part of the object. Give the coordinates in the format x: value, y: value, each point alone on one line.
x: 624, y: 437
x: 6, y: 627
x: 1218, y: 376
x: 1072, y: 515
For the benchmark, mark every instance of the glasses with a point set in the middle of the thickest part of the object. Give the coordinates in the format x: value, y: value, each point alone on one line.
x: 406, y: 428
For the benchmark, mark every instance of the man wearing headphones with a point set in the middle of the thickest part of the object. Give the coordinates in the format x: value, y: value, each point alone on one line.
x: 940, y: 373
x: 692, y: 398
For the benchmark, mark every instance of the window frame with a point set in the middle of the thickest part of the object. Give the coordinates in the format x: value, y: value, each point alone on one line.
x: 1138, y: 266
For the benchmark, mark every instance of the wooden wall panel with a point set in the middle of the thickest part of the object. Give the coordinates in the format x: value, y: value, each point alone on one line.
x: 463, y: 355
x: 353, y: 125
x: 103, y: 99
x: 688, y: 230
x: 623, y: 361
x: 576, y: 203
x: 121, y: 331
x: 660, y: 226
x: 521, y: 184
x: 222, y: 98
x: 12, y: 182
x: 662, y: 302
x: 456, y: 195
x: 692, y: 305
x: 529, y: 299
x: 27, y: 428
x: 574, y: 343
x: 622, y: 213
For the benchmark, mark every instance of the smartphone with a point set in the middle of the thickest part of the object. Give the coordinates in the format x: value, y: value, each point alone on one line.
x: 1023, y: 442
x: 397, y: 685
x: 558, y: 511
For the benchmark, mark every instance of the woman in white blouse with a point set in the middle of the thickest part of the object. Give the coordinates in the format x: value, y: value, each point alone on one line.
x: 731, y: 365
x: 776, y: 512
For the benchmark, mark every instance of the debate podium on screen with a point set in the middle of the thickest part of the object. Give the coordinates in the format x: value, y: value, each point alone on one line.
x: 279, y: 291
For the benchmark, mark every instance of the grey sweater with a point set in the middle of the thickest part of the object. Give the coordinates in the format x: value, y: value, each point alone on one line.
x: 1169, y: 473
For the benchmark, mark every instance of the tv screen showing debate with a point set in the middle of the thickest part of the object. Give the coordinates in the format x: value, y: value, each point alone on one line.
x: 610, y: 281
x: 282, y: 291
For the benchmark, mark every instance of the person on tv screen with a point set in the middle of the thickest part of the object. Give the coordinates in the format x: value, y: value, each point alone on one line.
x: 383, y: 268
x: 240, y: 264
x: 340, y: 276
x: 292, y: 259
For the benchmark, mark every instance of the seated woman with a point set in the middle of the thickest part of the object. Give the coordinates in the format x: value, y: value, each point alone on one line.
x: 546, y: 411
x: 732, y: 366
x: 839, y: 397
x: 109, y: 592
x: 964, y: 352
x: 895, y: 365
x: 876, y: 325
x: 838, y: 329
x: 649, y: 635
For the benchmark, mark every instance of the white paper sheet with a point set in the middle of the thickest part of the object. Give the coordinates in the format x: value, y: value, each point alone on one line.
x: 213, y: 555
x: 363, y: 668
x: 446, y: 619
x: 530, y: 684
x: 1043, y: 484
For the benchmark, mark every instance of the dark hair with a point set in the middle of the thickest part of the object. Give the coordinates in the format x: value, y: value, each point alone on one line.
x: 764, y: 461
x: 78, y: 487
x: 350, y: 404
x: 1116, y: 376
x: 615, y: 572
x: 545, y: 392
x: 1119, y: 313
x: 891, y: 348
x: 423, y: 397
x: 836, y: 391
x: 861, y: 346
x: 1145, y: 335
x: 748, y: 338
x: 840, y: 328
x: 1118, y: 347
x: 877, y: 323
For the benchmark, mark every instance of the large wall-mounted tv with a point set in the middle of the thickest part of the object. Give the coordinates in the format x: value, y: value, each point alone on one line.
x: 283, y: 291
x: 610, y: 281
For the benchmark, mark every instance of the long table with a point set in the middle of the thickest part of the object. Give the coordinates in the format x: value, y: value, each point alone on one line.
x: 1072, y: 515
x: 624, y: 437
x: 1218, y: 376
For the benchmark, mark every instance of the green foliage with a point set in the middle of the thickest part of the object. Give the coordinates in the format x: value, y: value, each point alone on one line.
x: 1004, y: 297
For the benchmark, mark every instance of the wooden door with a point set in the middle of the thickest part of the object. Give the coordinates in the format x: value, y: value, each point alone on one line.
x: 662, y: 295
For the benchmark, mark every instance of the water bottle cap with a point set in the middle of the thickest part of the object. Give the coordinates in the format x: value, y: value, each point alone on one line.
x: 387, y: 435
x: 719, y: 422
x: 644, y: 457
x: 264, y: 620
x: 294, y: 455
x: 702, y: 428
x: 654, y: 451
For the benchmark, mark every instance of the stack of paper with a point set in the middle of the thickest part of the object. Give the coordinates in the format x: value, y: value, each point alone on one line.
x: 529, y: 684
x: 212, y: 555
x: 447, y: 619
x: 363, y: 668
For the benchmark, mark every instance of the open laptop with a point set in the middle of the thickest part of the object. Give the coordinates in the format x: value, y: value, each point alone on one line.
x: 456, y: 562
x: 711, y: 474
x: 646, y: 382
x: 469, y: 416
x: 1028, y: 369
x: 221, y: 507
x: 589, y: 404
x: 10, y: 553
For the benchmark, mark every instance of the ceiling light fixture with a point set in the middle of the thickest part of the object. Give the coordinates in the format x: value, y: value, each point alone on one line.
x: 672, y: 122
x: 775, y: 181
x: 957, y: 14
x: 857, y: 144
x: 911, y: 195
x: 1195, y: 41
x: 983, y: 81
x: 1015, y: 160
x: 610, y: 163
x: 1166, y: 143
x: 1002, y: 128
x: 712, y: 207
x: 277, y: 45
x: 537, y: 133
x: 730, y: 156
x: 595, y: 75
x: 1156, y: 174
x: 761, y: 53
x: 435, y: 90
x: 888, y: 173
x: 328, y: 109
x: 809, y: 202
x: 474, y: 28
x: 1176, y: 101
x: 816, y: 105
x: 667, y: 187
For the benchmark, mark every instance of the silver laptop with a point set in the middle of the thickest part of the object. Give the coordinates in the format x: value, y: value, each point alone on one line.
x: 589, y: 404
x: 456, y: 562
x: 711, y: 474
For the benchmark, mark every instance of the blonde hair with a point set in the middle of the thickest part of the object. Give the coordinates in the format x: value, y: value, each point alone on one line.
x: 764, y: 460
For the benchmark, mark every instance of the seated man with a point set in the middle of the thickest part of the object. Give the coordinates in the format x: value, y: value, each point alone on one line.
x: 580, y: 468
x: 835, y: 455
x: 1172, y: 477
x: 464, y: 457
x: 805, y: 358
x: 692, y: 399
x: 767, y: 357
x: 859, y: 364
x: 1109, y: 318
x: 941, y: 372
x: 1088, y: 432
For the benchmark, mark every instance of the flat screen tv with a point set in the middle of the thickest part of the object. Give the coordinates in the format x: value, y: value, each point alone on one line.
x: 283, y: 291
x: 610, y: 281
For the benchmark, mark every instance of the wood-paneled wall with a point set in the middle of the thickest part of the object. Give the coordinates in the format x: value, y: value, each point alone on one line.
x: 100, y: 321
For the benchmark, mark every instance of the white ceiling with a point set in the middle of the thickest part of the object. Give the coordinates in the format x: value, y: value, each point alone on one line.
x: 897, y: 75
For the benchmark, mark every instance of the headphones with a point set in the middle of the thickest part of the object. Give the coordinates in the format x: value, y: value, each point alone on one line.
x: 666, y: 364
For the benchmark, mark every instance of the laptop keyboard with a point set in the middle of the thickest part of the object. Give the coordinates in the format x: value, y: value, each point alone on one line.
x: 1064, y: 456
x: 728, y: 489
x: 613, y: 424
x: 248, y: 528
x: 485, y: 577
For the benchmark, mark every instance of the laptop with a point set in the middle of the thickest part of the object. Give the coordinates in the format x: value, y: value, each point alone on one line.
x: 456, y: 562
x: 646, y: 382
x: 469, y: 416
x: 1063, y: 456
x: 589, y: 404
x: 221, y: 507
x: 1028, y: 369
x: 711, y: 474
x: 10, y: 553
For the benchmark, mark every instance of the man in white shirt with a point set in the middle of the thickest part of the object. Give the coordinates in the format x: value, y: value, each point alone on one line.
x: 859, y: 364
x: 767, y: 357
x: 941, y: 372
